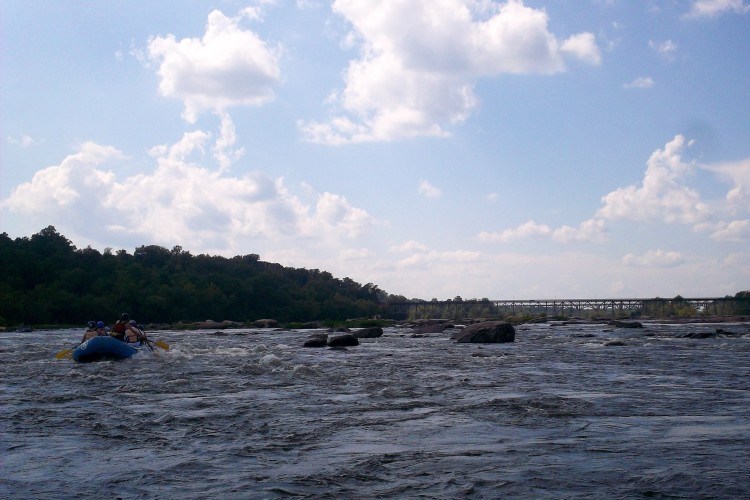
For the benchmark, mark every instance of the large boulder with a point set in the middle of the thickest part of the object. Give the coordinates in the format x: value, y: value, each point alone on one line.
x: 489, y: 332
x: 345, y: 340
x: 369, y: 333
x: 316, y: 340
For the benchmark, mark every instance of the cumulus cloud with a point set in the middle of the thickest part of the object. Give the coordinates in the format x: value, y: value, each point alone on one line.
x: 642, y: 82
x: 334, y: 213
x: 224, y: 150
x: 179, y: 202
x: 228, y: 66
x: 713, y: 8
x: 583, y: 46
x: 738, y: 174
x: 420, y: 61
x: 654, y: 258
x: 592, y: 230
x: 74, y: 183
x: 425, y: 188
x: 662, y: 195
x: 523, y: 231
x: 736, y: 230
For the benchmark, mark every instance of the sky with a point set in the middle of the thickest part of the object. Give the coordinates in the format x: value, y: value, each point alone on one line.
x: 436, y: 148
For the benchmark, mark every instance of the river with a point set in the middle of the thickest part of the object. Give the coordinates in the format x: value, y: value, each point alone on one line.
x: 563, y: 412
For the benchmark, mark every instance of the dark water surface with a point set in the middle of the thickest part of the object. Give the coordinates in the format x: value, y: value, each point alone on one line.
x: 564, y: 412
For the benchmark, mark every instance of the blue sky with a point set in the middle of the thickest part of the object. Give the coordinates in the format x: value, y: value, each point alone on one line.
x: 499, y: 149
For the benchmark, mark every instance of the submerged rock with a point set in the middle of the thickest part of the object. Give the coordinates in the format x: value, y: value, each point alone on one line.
x: 615, y: 343
x: 489, y: 332
x: 626, y: 324
x: 708, y: 335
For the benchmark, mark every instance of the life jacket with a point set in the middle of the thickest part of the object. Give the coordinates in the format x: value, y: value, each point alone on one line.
x: 118, y: 331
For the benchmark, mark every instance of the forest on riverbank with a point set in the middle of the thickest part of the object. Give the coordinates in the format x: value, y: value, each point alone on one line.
x: 47, y: 280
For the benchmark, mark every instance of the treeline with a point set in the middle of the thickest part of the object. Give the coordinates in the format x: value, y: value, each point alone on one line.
x: 47, y: 280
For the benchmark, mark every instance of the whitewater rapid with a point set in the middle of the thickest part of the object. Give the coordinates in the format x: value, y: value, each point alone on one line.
x: 564, y: 411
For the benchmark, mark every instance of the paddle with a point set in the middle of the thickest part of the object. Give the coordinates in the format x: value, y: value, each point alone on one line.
x: 158, y: 343
x: 161, y: 344
x: 65, y: 353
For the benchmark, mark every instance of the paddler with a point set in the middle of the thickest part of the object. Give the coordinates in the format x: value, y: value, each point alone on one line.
x: 133, y: 333
x: 90, y: 332
x: 124, y: 330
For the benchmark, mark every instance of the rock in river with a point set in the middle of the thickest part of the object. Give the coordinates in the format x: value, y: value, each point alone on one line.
x: 369, y: 333
x: 343, y: 340
x: 489, y: 332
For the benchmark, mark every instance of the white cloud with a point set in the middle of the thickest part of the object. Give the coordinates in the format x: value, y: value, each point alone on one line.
x: 228, y: 66
x: 409, y: 246
x: 583, y: 46
x: 25, y: 141
x: 665, y: 49
x: 525, y: 230
x: 76, y: 182
x: 592, y: 230
x: 662, y: 194
x: 433, y: 258
x: 654, y: 258
x: 736, y: 230
x: 738, y: 173
x: 642, y: 82
x: 334, y: 213
x: 420, y: 60
x: 224, y: 151
x: 179, y: 202
x: 426, y: 189
x: 713, y: 8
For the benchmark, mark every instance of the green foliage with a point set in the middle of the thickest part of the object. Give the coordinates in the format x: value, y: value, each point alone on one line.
x: 47, y: 280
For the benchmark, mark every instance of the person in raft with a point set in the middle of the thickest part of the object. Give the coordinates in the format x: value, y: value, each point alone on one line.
x: 125, y: 331
x: 90, y: 332
x: 134, y: 333
x: 100, y: 330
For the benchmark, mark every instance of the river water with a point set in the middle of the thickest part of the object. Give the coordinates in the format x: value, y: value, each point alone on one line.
x: 564, y: 412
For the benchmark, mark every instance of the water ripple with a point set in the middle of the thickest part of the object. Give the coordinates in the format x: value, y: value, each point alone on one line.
x: 563, y: 412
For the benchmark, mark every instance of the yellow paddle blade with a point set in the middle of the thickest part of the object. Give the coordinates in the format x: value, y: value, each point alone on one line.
x: 64, y: 353
x: 161, y: 344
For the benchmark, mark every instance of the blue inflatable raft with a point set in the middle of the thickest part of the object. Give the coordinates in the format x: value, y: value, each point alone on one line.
x: 103, y: 348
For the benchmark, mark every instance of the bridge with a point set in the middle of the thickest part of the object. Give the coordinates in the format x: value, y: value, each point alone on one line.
x: 656, y: 307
